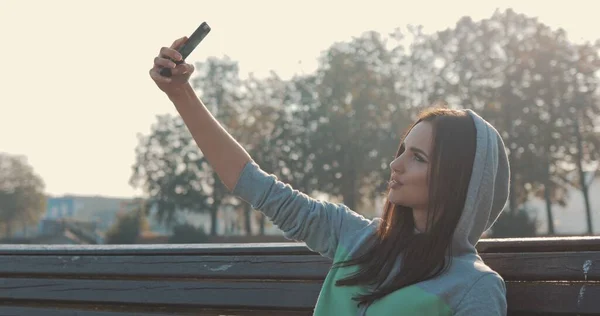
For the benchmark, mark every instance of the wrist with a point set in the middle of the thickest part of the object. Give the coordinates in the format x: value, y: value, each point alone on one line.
x: 181, y: 94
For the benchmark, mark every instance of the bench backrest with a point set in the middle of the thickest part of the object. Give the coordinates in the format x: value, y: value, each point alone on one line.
x: 547, y: 276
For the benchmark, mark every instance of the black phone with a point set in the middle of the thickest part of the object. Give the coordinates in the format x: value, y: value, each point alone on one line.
x: 186, y: 49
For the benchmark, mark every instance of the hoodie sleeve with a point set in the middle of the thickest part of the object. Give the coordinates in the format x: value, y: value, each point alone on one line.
x: 321, y: 225
x: 487, y: 297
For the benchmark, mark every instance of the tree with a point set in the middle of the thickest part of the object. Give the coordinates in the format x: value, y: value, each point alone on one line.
x: 187, y: 234
x: 169, y: 166
x: 515, y: 224
x: 171, y: 170
x: 358, y: 118
x: 478, y: 67
x: 336, y: 131
x: 218, y: 84
x: 517, y: 73
x: 22, y: 198
x: 585, y: 148
x: 128, y: 228
x: 277, y: 129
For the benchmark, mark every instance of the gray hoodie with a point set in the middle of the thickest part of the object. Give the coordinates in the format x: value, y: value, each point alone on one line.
x: 468, y: 287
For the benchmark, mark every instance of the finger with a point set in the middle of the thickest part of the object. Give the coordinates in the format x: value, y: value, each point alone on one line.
x: 155, y: 75
x: 178, y: 43
x: 168, y: 52
x: 161, y: 62
x: 182, y: 69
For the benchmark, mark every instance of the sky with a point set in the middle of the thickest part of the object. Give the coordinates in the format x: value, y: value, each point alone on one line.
x: 75, y: 90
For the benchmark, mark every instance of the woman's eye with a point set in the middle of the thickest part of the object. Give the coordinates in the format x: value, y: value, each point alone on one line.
x: 419, y: 158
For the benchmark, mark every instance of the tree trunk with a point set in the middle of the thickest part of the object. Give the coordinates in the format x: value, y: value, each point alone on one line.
x: 263, y: 219
x: 512, y: 197
x: 247, y: 219
x: 213, y: 220
x: 218, y: 194
x: 547, y: 192
x: 582, y: 183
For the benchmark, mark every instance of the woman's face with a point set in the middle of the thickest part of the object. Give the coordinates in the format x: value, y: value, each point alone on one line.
x: 409, y: 185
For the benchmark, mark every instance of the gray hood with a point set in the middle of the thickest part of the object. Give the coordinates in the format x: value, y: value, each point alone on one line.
x: 488, y: 188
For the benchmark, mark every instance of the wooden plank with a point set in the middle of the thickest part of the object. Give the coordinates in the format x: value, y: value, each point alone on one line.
x: 548, y: 298
x: 523, y: 297
x: 127, y: 310
x: 552, y: 266
x: 512, y: 266
x: 54, y: 311
x: 307, y: 267
x: 210, y: 293
x: 539, y: 244
x: 184, y: 278
x: 235, y: 312
x: 291, y: 248
x: 545, y: 244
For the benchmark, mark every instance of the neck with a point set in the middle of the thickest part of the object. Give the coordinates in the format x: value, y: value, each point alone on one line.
x: 420, y: 218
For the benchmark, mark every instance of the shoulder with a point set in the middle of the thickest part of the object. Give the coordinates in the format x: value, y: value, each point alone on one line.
x: 485, y: 294
x: 468, y: 284
x: 488, y: 281
x: 479, y: 274
x: 358, y: 234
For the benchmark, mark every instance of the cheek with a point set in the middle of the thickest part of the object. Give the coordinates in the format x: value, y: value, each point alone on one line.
x: 419, y: 176
x: 420, y: 182
x: 425, y: 176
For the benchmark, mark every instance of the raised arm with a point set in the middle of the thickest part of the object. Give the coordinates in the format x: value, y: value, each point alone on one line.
x: 319, y: 224
x: 225, y: 155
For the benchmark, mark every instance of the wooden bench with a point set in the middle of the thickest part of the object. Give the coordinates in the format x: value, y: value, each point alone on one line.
x: 544, y: 277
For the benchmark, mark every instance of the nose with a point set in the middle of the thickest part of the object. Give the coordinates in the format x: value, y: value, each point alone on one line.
x: 396, y: 165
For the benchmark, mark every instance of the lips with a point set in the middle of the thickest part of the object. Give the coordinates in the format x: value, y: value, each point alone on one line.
x: 396, y: 179
x: 395, y: 183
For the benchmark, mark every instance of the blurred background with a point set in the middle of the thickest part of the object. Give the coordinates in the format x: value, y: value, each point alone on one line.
x: 319, y: 93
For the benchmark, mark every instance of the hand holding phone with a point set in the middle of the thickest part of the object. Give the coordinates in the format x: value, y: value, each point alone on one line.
x: 186, y: 49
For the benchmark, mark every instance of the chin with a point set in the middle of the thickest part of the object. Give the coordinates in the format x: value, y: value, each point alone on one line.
x: 395, y: 199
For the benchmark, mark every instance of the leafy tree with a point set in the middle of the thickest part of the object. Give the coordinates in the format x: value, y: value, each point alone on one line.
x: 519, y: 74
x: 218, y: 84
x: 171, y: 170
x: 22, y: 198
x: 128, y: 228
x: 358, y: 118
x: 187, y: 234
x: 277, y: 130
x: 584, y: 147
x: 515, y: 224
x: 170, y: 167
x: 335, y: 131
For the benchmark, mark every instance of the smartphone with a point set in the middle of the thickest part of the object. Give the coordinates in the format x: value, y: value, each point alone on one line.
x: 186, y: 49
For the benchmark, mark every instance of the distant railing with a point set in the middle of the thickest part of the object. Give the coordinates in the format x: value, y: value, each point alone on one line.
x: 543, y: 276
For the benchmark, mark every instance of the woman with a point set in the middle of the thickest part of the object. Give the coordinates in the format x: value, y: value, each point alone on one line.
x: 449, y: 183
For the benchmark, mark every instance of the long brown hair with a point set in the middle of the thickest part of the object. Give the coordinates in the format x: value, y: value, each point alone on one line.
x: 425, y: 255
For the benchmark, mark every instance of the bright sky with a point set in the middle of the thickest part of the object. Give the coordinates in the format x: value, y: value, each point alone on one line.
x: 75, y: 90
